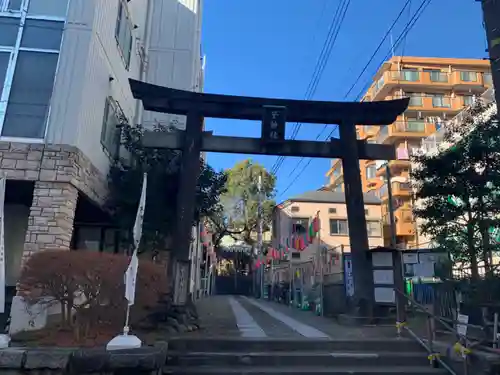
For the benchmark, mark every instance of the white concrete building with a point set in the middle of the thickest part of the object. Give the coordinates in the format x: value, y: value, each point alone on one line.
x: 64, y: 70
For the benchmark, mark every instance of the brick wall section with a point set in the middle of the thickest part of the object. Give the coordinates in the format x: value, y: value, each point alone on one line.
x: 53, y: 163
x: 60, y: 172
x: 50, y: 224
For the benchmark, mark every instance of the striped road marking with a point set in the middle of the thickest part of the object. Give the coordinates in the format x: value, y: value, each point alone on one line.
x: 246, y: 324
x: 301, y: 328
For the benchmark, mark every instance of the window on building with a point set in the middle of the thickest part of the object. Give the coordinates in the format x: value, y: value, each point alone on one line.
x: 488, y: 79
x: 366, y: 212
x: 439, y: 100
x: 338, y: 227
x: 371, y: 171
x: 415, y: 99
x: 468, y: 76
x: 41, y: 34
x: 51, y: 8
x: 410, y: 75
x: 4, y: 64
x: 9, y: 27
x: 373, y: 228
x: 30, y: 40
x: 29, y: 100
x: 295, y: 209
x: 468, y: 100
x: 110, y: 133
x: 98, y: 239
x: 300, y: 225
x: 436, y: 75
x: 88, y: 238
x: 11, y: 5
x: 332, y: 210
x: 123, y: 32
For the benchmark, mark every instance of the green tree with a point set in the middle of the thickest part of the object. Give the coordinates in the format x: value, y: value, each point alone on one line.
x: 239, y: 214
x: 163, y: 168
x: 457, y: 189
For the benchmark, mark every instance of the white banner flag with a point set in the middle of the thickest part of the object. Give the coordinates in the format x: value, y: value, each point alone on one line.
x: 130, y: 278
x: 131, y: 273
x: 140, y: 213
x: 2, y: 244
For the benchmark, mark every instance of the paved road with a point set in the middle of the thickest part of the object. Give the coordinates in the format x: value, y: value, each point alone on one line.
x: 235, y: 316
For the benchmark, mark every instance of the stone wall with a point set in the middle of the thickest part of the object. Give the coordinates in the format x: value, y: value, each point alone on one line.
x: 60, y: 172
x: 58, y: 361
x: 53, y: 163
x: 52, y: 213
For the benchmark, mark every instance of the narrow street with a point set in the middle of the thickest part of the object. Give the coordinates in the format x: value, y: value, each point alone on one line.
x: 242, y: 335
x: 246, y: 317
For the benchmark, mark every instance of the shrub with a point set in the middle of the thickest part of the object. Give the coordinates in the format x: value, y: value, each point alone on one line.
x: 91, y: 286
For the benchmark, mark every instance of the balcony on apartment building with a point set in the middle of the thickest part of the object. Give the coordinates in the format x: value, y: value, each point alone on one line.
x: 404, y: 223
x: 403, y: 155
x: 435, y: 78
x: 335, y: 174
x: 399, y: 189
x: 433, y: 143
x: 405, y: 129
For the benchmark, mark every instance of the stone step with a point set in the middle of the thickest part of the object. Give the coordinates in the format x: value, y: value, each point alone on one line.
x: 297, y: 358
x: 246, y: 345
x: 406, y: 370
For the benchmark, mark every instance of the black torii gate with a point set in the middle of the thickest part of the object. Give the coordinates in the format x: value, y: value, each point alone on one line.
x: 274, y: 114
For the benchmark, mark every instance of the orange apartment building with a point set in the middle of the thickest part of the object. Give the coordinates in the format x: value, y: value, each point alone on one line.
x: 439, y: 88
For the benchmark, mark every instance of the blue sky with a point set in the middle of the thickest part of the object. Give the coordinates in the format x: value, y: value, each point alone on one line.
x: 269, y: 48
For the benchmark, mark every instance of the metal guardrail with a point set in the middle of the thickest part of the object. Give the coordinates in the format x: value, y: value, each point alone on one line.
x: 463, y: 345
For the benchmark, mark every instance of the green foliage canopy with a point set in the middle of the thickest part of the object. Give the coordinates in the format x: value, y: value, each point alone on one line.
x: 458, y: 189
x: 163, y: 168
x: 238, y: 213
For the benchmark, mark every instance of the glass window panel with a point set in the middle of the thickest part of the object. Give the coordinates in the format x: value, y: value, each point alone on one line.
x: 110, y: 132
x: 123, y: 33
x: 88, y: 239
x: 42, y: 34
x: 30, y: 95
x: 488, y: 79
x: 410, y: 75
x: 118, y: 20
x: 371, y: 171
x: 109, y: 240
x: 51, y: 8
x: 4, y: 64
x: 338, y: 226
x: 468, y: 100
x: 468, y: 76
x: 373, y: 228
x: 15, y: 4
x: 9, y: 27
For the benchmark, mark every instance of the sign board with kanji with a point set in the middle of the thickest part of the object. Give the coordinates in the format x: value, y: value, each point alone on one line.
x: 273, y: 123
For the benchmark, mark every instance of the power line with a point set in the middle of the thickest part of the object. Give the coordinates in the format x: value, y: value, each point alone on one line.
x: 404, y: 33
x: 316, y: 72
x: 408, y: 2
x: 388, y: 32
x: 323, y: 58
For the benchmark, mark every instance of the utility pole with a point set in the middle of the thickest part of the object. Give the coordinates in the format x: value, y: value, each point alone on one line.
x: 399, y: 282
x: 390, y: 206
x: 491, y: 16
x: 259, y: 235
